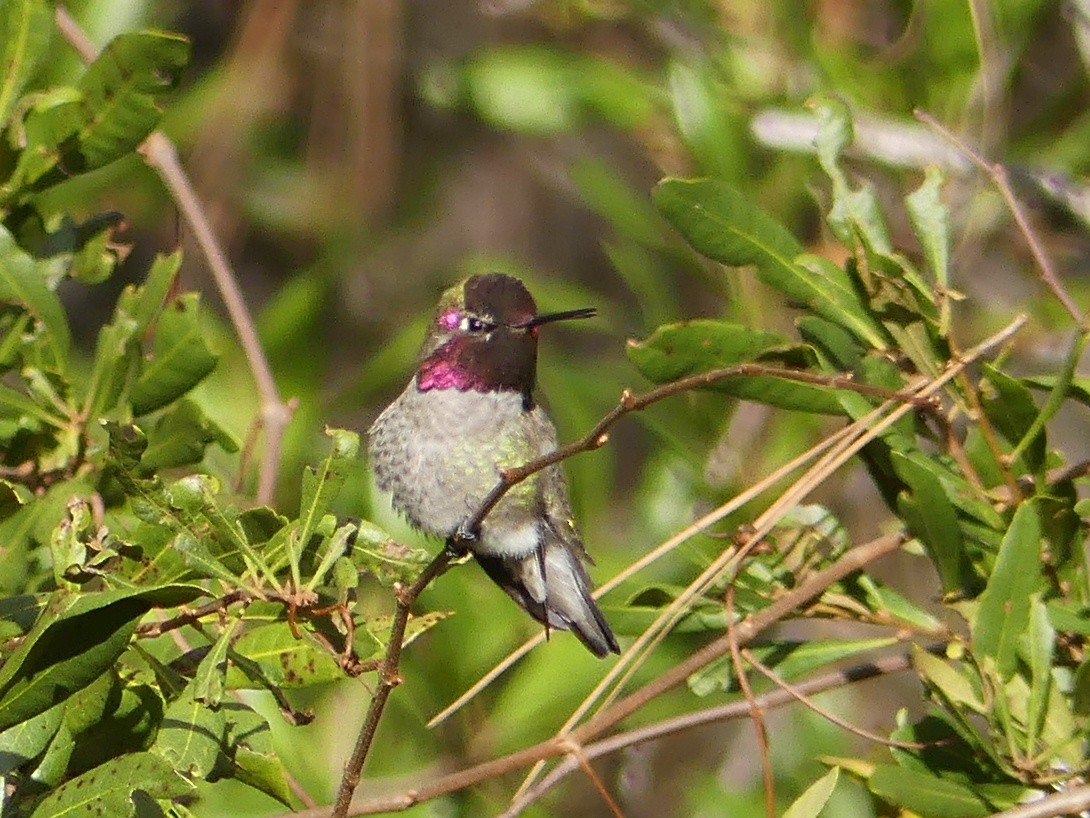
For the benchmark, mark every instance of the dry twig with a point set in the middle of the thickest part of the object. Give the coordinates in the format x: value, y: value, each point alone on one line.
x: 162, y: 156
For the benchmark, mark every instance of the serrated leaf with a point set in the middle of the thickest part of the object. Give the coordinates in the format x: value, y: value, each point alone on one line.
x: 25, y: 28
x: 180, y: 358
x: 285, y: 661
x: 192, y: 733
x: 722, y: 224
x: 122, y: 88
x: 813, y: 800
x: 108, y: 789
x: 1003, y: 614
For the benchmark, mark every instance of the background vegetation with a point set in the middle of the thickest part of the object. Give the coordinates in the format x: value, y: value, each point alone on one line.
x: 353, y: 158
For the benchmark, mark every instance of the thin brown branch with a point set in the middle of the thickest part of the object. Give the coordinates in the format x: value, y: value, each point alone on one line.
x: 1002, y: 183
x: 162, y: 156
x: 825, y: 713
x: 190, y: 615
x: 712, y: 715
x: 1073, y: 801
x: 552, y: 748
x: 599, y: 435
x: 755, y: 713
x: 574, y: 750
x: 389, y: 677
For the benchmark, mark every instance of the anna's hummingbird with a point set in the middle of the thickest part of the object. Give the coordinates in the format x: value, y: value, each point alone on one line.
x: 468, y: 412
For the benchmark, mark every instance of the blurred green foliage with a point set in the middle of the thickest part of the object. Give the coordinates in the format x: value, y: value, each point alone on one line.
x: 355, y: 158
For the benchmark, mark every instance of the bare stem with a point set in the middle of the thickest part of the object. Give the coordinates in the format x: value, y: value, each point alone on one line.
x: 1002, y: 184
x: 389, y: 677
x: 162, y: 156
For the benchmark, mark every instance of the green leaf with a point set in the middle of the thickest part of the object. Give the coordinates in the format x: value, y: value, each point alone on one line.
x: 192, y: 733
x: 722, y: 224
x: 926, y: 794
x: 23, y: 283
x: 936, y: 524
x: 25, y: 28
x: 255, y: 760
x: 813, y: 800
x: 931, y: 221
x: 1003, y: 615
x: 284, y: 660
x: 145, y: 302
x: 180, y: 358
x: 109, y: 788
x: 28, y: 739
x: 1056, y: 396
x: 676, y: 350
x: 953, y: 684
x: 121, y: 90
x: 180, y: 437
x: 75, y: 640
x: 1014, y: 412
x: 115, y: 105
x: 1039, y: 643
x: 320, y: 487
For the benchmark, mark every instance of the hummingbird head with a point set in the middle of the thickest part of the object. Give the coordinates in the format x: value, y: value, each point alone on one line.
x: 484, y: 337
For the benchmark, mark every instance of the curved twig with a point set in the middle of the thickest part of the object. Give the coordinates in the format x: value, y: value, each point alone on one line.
x: 162, y: 156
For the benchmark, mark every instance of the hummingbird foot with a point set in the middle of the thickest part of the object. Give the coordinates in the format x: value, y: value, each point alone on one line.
x: 459, y: 543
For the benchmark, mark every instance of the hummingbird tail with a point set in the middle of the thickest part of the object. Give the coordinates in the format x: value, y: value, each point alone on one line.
x: 554, y: 587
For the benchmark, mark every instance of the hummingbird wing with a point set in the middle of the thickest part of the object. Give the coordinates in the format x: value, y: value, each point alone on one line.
x: 551, y: 582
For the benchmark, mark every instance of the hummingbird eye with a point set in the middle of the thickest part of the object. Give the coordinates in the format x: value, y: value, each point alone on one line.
x: 471, y: 323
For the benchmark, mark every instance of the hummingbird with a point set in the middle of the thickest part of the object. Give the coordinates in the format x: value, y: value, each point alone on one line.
x: 467, y: 413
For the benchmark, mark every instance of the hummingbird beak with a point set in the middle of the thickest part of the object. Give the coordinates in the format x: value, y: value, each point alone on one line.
x: 549, y: 317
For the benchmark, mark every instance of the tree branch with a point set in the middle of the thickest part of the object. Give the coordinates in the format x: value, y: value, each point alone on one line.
x: 162, y: 156
x: 552, y: 748
x: 1002, y: 183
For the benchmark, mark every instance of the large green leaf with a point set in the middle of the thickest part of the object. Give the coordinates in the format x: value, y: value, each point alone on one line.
x: 676, y: 350
x: 108, y: 789
x: 285, y: 661
x: 180, y: 358
x: 76, y: 638
x: 23, y: 282
x: 113, y: 108
x: 724, y: 225
x: 25, y: 28
x: 1004, y: 612
x: 925, y: 794
x: 192, y: 734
